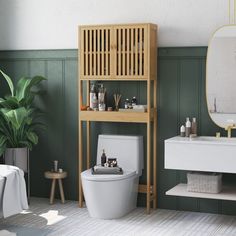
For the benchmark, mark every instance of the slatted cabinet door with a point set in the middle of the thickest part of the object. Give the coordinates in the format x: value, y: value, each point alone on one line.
x: 130, y: 53
x: 95, y: 55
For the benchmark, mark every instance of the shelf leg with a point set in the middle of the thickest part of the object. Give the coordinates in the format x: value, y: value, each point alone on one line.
x: 88, y: 144
x: 155, y: 161
x: 80, y: 164
x: 148, y: 168
x: 155, y: 144
x: 88, y: 127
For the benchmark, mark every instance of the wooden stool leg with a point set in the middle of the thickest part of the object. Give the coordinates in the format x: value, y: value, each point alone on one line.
x: 61, y: 191
x: 52, y: 191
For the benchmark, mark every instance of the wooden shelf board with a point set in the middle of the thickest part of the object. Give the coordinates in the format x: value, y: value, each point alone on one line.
x: 227, y: 193
x: 114, y: 116
x: 116, y: 51
x: 104, y: 78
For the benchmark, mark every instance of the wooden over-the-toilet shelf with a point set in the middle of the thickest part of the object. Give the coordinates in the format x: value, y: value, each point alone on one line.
x: 126, y: 52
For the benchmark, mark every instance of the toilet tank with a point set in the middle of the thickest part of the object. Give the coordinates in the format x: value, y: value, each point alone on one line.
x: 127, y: 149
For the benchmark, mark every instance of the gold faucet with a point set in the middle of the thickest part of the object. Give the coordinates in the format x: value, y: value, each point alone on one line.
x: 229, y: 128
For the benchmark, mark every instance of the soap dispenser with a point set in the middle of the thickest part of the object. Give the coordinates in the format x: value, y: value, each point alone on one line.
x: 188, y: 127
x: 101, y: 98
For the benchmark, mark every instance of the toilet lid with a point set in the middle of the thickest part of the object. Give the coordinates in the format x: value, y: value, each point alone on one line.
x: 87, y: 175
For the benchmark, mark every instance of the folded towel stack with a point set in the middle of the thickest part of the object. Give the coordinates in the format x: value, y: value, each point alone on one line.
x: 101, y: 170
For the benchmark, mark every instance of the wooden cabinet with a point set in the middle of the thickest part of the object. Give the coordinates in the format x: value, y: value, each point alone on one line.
x: 126, y: 52
x: 116, y: 52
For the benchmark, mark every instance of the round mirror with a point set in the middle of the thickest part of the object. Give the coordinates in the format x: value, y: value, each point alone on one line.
x: 221, y: 76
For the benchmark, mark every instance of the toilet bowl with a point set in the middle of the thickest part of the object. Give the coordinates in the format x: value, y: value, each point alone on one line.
x: 113, y: 196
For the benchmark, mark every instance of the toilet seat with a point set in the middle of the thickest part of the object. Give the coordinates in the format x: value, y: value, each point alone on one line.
x: 87, y: 175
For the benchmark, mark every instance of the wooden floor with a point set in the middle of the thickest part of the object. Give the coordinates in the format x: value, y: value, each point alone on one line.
x: 68, y: 219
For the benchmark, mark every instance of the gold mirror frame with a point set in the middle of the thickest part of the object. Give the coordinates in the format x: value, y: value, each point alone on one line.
x: 207, y: 79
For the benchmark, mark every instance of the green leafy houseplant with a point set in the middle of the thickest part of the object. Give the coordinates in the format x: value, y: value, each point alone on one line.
x: 18, y: 116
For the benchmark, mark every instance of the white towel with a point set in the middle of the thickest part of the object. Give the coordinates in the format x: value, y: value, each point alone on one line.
x: 14, y: 195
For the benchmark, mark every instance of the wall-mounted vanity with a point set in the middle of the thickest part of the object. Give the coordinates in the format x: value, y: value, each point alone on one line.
x: 201, y: 154
x: 211, y: 154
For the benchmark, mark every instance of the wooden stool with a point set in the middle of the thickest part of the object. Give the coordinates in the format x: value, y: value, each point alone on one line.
x: 56, y: 176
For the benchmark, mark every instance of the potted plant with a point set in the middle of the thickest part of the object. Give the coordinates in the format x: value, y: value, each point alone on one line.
x: 19, y: 120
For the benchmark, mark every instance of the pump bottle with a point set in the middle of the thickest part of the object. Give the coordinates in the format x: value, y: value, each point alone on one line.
x: 188, y: 127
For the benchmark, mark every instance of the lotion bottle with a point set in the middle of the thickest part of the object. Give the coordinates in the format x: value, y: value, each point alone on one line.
x: 194, y: 126
x: 188, y: 127
x: 94, y: 101
x: 101, y: 98
x: 182, y: 131
x: 92, y: 97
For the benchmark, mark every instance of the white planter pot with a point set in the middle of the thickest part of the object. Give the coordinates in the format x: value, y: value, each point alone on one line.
x: 17, y: 157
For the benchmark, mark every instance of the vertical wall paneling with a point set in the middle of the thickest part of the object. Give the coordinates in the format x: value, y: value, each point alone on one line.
x: 188, y: 107
x: 59, y: 102
x: 70, y: 124
x: 167, y: 122
x: 181, y: 93
x: 189, y: 101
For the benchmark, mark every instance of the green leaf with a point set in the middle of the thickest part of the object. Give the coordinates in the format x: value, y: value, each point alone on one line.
x: 28, y: 100
x: 22, y: 88
x: 26, y: 144
x: 16, y: 116
x: 28, y: 120
x: 36, y: 80
x: 3, y: 111
x: 2, y: 140
x: 9, y: 81
x: 10, y: 102
x: 33, y: 137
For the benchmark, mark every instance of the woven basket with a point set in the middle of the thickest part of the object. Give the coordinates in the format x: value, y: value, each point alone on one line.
x: 204, y: 182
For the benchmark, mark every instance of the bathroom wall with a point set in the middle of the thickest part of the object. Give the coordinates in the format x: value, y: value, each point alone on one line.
x: 44, y: 24
x: 181, y: 93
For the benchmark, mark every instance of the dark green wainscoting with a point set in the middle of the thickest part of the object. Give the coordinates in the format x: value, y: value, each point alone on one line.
x: 181, y: 93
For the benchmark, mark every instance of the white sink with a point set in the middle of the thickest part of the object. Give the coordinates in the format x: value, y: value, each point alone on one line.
x: 202, y: 153
x: 205, y: 140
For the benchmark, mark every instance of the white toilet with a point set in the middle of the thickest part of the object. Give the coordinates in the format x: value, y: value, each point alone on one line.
x: 113, y: 196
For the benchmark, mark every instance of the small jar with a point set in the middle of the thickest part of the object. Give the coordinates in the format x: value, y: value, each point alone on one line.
x: 127, y: 103
x: 134, y: 101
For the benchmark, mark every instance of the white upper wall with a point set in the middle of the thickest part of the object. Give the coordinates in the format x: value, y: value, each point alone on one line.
x: 52, y: 24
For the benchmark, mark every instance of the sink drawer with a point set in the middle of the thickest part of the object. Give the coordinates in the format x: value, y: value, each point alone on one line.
x: 200, y: 156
